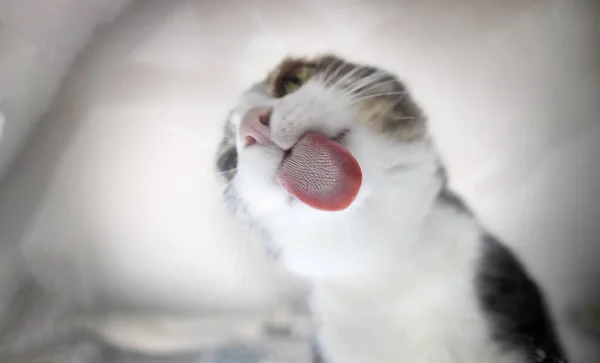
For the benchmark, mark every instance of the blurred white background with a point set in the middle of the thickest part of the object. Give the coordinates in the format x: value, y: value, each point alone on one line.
x: 113, y: 195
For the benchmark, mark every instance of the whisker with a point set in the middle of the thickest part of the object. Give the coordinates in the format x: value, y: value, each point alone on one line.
x: 339, y: 93
x: 345, y: 96
x: 340, y: 81
x: 371, y: 83
x: 324, y: 76
x: 359, y: 99
x: 333, y: 75
x: 349, y: 92
x: 352, y: 92
x: 367, y: 81
x: 373, y: 86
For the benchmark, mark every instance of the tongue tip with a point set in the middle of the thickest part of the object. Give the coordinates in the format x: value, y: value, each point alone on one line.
x: 333, y: 207
x: 316, y: 149
x: 335, y: 203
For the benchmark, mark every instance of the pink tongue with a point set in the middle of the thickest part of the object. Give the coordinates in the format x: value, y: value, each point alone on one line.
x: 320, y: 173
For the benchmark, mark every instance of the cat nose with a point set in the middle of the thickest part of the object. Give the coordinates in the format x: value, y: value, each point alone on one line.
x: 255, y: 127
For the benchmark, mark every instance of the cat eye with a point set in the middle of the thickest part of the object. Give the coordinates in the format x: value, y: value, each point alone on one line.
x: 296, y: 80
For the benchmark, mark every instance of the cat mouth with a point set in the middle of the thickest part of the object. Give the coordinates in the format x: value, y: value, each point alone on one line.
x: 320, y: 172
x: 339, y: 138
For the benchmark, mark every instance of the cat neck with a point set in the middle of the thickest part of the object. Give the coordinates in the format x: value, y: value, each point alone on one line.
x: 391, y: 239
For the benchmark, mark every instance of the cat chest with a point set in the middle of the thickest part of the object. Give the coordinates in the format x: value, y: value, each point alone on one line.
x: 417, y: 330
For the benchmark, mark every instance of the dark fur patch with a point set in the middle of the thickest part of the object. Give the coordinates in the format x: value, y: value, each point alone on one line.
x: 384, y: 104
x: 227, y: 163
x: 285, y: 72
x: 450, y: 198
x: 226, y: 160
x: 514, y: 305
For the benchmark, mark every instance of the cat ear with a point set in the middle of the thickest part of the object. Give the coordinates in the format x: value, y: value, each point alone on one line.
x: 227, y: 162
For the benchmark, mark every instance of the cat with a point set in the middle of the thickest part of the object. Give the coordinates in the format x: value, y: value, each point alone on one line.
x: 406, y: 272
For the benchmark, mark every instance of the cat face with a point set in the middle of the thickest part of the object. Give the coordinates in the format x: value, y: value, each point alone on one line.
x: 365, y: 109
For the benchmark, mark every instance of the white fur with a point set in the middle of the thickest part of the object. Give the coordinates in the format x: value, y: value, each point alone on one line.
x: 392, y: 274
x: 424, y: 310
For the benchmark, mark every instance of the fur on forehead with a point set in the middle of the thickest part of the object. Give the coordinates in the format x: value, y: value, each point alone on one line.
x: 384, y: 104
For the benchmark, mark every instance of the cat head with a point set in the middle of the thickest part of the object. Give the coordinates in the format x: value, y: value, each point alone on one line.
x: 365, y: 109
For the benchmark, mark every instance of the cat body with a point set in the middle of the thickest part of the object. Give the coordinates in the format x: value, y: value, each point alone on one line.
x: 405, y: 273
